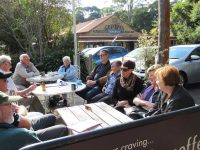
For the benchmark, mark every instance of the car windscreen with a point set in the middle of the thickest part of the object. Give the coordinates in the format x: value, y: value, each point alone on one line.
x: 92, y: 51
x: 179, y: 52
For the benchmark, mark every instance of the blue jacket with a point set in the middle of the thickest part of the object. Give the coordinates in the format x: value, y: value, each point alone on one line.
x: 69, y: 73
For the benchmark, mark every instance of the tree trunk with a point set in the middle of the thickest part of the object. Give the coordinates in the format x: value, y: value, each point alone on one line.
x: 163, y: 33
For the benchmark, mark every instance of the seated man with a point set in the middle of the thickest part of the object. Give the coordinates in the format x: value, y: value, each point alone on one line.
x: 97, y: 77
x: 32, y: 102
x: 24, y: 69
x: 106, y: 95
x: 44, y: 125
x: 10, y: 136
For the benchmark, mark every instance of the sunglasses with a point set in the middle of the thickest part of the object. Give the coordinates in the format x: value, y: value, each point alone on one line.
x: 124, y: 69
x: 102, y: 55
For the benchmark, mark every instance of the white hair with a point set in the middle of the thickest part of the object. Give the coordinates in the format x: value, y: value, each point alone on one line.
x: 67, y: 58
x: 21, y: 57
x: 5, y: 58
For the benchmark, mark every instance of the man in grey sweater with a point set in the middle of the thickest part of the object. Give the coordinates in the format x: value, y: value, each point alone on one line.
x: 24, y: 69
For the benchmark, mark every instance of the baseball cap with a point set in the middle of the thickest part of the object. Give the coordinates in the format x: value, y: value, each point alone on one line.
x: 128, y: 64
x: 4, y: 75
x: 5, y: 98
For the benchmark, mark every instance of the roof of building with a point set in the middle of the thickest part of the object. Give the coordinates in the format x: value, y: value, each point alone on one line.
x: 89, y: 25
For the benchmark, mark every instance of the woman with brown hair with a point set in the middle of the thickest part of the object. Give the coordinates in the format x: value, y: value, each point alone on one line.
x: 172, y: 96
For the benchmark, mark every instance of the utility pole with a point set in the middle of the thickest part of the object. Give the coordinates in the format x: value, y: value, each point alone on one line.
x: 164, y: 31
x: 76, y: 56
x: 74, y: 32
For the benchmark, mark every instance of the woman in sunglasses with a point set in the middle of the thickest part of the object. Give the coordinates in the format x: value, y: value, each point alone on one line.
x: 126, y: 87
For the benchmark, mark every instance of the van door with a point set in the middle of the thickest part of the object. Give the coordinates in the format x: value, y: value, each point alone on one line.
x: 194, y: 68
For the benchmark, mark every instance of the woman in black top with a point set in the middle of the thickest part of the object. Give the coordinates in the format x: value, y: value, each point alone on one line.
x: 172, y: 96
x: 127, y: 86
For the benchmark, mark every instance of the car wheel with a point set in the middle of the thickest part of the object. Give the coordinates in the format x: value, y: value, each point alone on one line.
x: 183, y: 79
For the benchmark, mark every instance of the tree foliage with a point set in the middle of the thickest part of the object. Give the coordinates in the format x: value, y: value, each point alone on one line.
x: 185, y: 24
x: 150, y: 48
x: 87, y: 13
x: 32, y: 26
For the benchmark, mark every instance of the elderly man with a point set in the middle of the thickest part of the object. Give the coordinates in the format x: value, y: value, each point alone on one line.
x: 33, y: 102
x: 44, y: 126
x: 68, y: 70
x: 97, y: 77
x: 10, y: 136
x: 24, y: 69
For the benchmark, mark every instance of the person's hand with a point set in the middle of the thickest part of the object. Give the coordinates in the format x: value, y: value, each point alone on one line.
x: 148, y: 105
x: 122, y: 103
x: 137, y: 101
x: 15, y: 108
x: 32, y: 87
x: 140, y: 96
x: 91, y: 82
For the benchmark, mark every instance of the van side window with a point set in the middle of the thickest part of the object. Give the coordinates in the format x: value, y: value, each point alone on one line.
x: 115, y: 50
x: 196, y: 52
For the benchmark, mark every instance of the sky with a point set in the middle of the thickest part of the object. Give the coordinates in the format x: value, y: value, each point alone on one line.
x: 99, y: 3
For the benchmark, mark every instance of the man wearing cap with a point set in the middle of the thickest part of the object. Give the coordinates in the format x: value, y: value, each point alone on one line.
x: 31, y: 101
x: 127, y: 86
x: 44, y: 126
x: 10, y: 136
x: 97, y: 77
x: 24, y: 69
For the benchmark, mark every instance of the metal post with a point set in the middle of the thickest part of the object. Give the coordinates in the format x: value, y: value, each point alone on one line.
x: 164, y: 31
x: 74, y: 31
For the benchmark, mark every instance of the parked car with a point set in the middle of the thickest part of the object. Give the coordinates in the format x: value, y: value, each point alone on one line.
x: 85, y: 50
x: 114, y: 52
x: 187, y: 59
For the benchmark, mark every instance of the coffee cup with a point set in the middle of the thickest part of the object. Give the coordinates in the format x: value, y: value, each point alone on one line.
x: 73, y: 87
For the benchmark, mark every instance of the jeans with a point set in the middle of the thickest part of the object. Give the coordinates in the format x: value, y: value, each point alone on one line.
x: 45, y: 128
x: 102, y: 97
x: 89, y: 92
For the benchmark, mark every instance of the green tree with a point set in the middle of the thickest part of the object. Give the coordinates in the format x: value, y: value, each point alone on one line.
x: 30, y: 25
x: 185, y: 21
x: 87, y: 13
x: 150, y: 48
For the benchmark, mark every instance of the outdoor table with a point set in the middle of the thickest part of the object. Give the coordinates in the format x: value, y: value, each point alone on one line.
x: 55, y: 89
x: 101, y: 112
x: 49, y: 77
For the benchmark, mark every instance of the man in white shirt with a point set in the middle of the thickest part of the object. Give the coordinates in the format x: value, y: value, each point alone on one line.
x: 33, y: 102
x: 24, y: 69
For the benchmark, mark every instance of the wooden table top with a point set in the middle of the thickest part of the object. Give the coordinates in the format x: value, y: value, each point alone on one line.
x: 105, y: 114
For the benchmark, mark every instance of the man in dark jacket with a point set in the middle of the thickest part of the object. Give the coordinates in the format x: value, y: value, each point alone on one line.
x: 97, y: 77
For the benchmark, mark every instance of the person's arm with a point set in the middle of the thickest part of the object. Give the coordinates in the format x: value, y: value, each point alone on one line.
x: 34, y: 69
x: 22, y: 71
x: 61, y: 71
x: 21, y: 121
x: 26, y: 91
x: 24, y: 123
x: 102, y: 81
x: 70, y: 73
x: 115, y: 95
x: 92, y: 74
